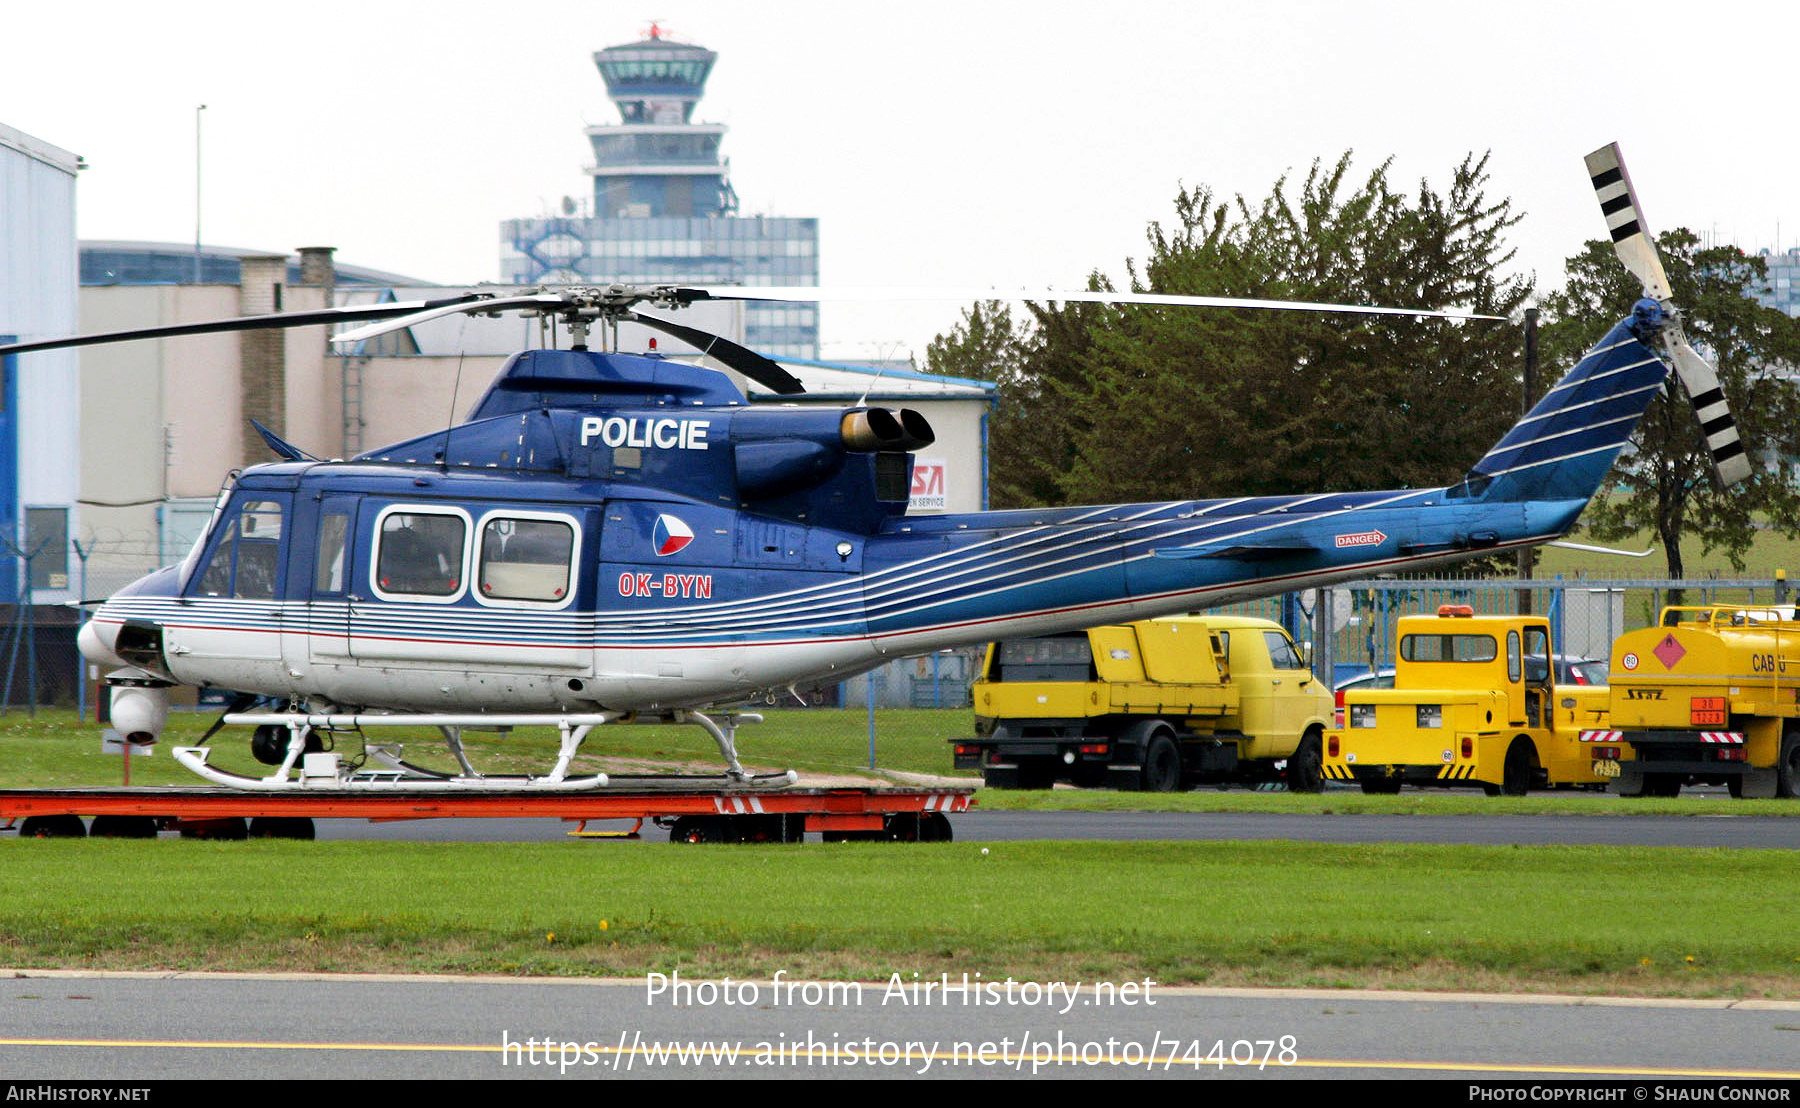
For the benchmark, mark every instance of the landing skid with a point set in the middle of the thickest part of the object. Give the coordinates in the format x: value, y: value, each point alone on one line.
x: 390, y: 772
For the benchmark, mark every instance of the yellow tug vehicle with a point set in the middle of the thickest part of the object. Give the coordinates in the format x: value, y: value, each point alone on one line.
x: 1474, y: 703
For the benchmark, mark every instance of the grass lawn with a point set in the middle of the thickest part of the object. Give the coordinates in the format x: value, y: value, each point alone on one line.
x: 1576, y: 919
x: 1563, y: 919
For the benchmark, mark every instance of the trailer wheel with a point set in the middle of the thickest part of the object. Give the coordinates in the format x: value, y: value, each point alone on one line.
x: 123, y: 827
x: 52, y: 827
x: 281, y: 827
x: 1521, y: 768
x: 1787, y: 784
x: 230, y: 828
x: 1306, y: 765
x: 934, y: 827
x: 694, y: 829
x: 1162, y: 764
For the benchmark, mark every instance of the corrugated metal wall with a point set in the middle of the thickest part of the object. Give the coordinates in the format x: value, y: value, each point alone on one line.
x: 40, y: 424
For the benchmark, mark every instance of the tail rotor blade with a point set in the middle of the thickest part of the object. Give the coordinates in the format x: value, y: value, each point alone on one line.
x: 1637, y: 251
x: 1702, y: 385
x: 1625, y: 220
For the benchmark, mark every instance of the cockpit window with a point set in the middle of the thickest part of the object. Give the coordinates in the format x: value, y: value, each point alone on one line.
x: 247, y: 559
x: 193, y: 554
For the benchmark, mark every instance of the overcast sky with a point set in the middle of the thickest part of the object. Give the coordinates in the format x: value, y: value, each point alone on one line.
x: 961, y: 144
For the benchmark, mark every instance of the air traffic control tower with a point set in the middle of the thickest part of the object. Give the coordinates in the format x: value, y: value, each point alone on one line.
x: 663, y: 206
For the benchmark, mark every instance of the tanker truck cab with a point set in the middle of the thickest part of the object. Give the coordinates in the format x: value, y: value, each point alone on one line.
x: 1473, y: 703
x: 1159, y: 704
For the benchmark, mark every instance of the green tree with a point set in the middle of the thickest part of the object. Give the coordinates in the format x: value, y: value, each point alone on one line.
x: 1246, y: 402
x: 1664, y: 482
x: 1161, y: 403
x: 1106, y: 404
x: 1039, y: 366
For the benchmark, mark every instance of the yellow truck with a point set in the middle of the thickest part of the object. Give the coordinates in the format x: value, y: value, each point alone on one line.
x: 1474, y: 702
x: 1709, y: 696
x: 1155, y: 705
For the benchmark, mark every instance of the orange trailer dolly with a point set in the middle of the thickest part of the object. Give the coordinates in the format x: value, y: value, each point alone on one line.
x: 689, y: 814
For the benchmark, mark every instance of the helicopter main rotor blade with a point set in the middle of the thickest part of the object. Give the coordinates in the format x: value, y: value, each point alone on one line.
x: 474, y: 304
x: 240, y: 323
x: 1636, y: 249
x: 741, y: 358
x: 823, y: 294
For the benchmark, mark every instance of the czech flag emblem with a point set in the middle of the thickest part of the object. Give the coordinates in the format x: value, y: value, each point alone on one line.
x: 670, y: 535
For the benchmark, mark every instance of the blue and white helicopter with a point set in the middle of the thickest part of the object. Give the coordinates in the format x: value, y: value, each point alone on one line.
x: 615, y: 537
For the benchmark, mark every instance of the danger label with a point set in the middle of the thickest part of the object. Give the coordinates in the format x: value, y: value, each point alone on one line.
x: 1360, y: 538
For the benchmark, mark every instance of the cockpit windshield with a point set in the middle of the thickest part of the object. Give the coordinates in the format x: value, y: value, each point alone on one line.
x: 193, y: 554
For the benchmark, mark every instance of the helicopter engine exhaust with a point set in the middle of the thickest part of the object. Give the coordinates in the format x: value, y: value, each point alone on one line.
x: 878, y: 430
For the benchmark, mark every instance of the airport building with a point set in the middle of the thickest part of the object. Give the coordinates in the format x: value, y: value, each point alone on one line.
x: 663, y: 208
x: 39, y: 393
x: 40, y: 423
x: 1782, y: 290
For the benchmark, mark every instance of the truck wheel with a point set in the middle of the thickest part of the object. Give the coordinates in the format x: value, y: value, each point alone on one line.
x: 1089, y: 775
x: 1521, y: 768
x: 1787, y: 784
x: 1162, y: 764
x: 1306, y: 766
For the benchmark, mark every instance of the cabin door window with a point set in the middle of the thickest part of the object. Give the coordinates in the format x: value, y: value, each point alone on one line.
x: 525, y: 559
x: 420, y: 554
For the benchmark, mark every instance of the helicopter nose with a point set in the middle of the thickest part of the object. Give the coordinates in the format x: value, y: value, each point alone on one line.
x: 96, y: 642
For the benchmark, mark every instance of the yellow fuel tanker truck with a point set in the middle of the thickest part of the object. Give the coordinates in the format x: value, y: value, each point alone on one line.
x: 1709, y: 696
